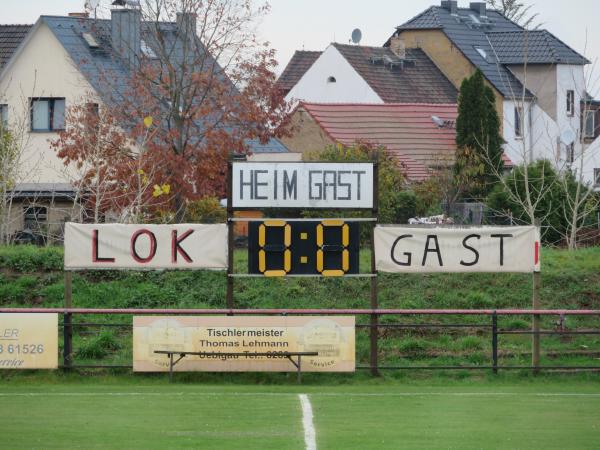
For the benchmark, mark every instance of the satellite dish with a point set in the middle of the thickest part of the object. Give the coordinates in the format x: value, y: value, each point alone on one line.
x: 356, y: 36
x: 568, y: 136
x: 93, y: 4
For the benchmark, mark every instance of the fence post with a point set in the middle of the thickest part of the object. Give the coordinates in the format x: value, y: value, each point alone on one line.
x: 535, y: 344
x: 374, y: 331
x: 495, y: 342
x: 67, y: 325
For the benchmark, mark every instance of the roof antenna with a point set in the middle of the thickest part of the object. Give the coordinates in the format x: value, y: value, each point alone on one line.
x: 92, y: 5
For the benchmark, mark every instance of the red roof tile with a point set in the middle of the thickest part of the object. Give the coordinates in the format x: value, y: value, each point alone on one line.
x: 405, y: 130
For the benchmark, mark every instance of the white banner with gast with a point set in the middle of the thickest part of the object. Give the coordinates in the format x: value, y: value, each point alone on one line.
x: 405, y: 249
x: 124, y: 246
x: 302, y: 185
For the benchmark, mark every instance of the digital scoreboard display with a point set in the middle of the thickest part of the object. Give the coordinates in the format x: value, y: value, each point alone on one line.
x: 277, y: 248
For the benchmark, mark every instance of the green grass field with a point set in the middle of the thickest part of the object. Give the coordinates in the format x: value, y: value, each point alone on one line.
x: 467, y: 414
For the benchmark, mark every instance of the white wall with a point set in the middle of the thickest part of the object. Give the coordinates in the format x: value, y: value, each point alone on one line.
x: 42, y: 69
x: 349, y: 87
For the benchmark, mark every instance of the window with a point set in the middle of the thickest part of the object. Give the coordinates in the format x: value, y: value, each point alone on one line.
x: 331, y: 80
x: 590, y: 124
x: 518, y: 122
x: 596, y: 177
x: 571, y: 153
x: 47, y: 114
x: 570, y: 103
x: 4, y: 116
x: 34, y: 216
x: 482, y: 52
x: 90, y: 40
x: 147, y: 50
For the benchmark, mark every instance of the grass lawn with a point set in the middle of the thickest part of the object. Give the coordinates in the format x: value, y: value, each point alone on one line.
x: 463, y: 414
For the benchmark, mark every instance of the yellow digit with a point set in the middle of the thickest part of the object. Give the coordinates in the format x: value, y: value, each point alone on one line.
x: 287, y: 253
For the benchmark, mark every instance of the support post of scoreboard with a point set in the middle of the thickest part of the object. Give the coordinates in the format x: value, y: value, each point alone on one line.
x: 230, y: 231
x: 535, y: 344
x: 374, y: 337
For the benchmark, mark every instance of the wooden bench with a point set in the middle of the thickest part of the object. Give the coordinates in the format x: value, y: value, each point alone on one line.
x: 289, y: 355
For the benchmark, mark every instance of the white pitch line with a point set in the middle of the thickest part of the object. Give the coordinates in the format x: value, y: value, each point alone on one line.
x: 288, y: 394
x: 310, y: 435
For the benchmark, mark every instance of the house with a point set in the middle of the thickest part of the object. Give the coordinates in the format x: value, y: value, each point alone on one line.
x: 358, y: 74
x: 537, y: 79
x: 56, y: 63
x: 420, y: 136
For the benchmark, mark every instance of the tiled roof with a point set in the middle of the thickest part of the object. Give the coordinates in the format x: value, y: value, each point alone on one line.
x: 405, y: 130
x: 296, y: 68
x: 107, y: 73
x: 468, y: 32
x: 273, y: 146
x: 532, y: 47
x: 416, y: 80
x: 10, y: 38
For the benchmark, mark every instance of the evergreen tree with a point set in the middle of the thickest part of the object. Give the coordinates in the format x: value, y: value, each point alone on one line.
x: 478, y: 140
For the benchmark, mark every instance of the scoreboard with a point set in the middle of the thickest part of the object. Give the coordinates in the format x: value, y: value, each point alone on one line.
x: 329, y: 248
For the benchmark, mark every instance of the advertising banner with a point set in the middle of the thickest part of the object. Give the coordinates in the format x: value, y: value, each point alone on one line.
x: 331, y: 337
x: 124, y: 246
x: 302, y: 185
x: 28, y: 341
x: 405, y: 249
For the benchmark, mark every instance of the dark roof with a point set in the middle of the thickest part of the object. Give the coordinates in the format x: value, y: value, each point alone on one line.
x: 10, y: 38
x: 532, y: 47
x: 467, y: 38
x: 108, y: 74
x: 296, y: 68
x: 414, y: 80
x: 469, y: 31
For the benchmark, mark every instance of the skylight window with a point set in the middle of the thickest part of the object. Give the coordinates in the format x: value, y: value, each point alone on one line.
x: 481, y: 52
x: 147, y: 50
x: 475, y: 19
x: 90, y: 40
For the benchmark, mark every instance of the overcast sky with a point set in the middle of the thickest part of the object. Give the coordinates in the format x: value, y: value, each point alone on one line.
x: 313, y: 24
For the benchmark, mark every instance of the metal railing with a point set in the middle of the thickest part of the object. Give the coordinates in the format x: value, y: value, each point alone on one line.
x: 491, y: 327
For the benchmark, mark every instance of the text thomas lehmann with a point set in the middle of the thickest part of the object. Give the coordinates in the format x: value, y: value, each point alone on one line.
x: 231, y: 332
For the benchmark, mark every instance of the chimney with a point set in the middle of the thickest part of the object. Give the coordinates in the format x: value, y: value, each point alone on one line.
x: 479, y: 8
x: 186, y: 25
x: 82, y: 15
x: 398, y: 47
x: 451, y: 6
x: 126, y: 25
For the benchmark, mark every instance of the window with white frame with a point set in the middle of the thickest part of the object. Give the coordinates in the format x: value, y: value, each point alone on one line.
x: 4, y: 115
x: 590, y: 124
x: 597, y: 177
x: 47, y: 114
x: 518, y: 121
x: 570, y: 103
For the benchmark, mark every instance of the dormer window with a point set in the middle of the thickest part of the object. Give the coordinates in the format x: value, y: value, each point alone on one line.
x: 331, y: 79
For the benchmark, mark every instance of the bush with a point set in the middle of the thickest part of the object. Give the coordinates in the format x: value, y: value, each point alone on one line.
x: 205, y: 210
x: 391, y: 179
x: 99, y: 346
x: 28, y: 258
x: 551, y: 207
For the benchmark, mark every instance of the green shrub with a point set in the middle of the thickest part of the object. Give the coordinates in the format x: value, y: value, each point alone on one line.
x: 99, y: 346
x: 28, y: 258
x: 205, y: 210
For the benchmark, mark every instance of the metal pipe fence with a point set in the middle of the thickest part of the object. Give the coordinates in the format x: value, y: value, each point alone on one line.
x: 491, y: 328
